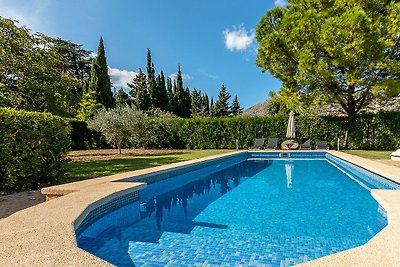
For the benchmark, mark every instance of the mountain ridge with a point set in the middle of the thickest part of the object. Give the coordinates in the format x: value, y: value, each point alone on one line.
x: 392, y: 104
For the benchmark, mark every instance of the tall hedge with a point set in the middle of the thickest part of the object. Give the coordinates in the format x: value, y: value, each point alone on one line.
x: 379, y: 131
x: 33, y: 147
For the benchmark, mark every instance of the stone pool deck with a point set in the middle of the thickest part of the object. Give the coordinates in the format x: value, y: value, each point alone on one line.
x: 44, y: 235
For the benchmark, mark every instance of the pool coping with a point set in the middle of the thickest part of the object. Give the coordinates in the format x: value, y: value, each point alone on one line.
x: 44, y: 235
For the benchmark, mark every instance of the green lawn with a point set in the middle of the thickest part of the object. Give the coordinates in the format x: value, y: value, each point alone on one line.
x: 369, y: 154
x: 90, y: 169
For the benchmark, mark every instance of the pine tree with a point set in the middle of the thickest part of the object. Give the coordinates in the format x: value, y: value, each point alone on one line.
x: 139, y: 92
x: 151, y: 80
x: 222, y: 108
x: 236, y: 109
x: 197, y: 103
x: 99, y: 79
x: 88, y: 106
x: 162, y: 98
x: 122, y: 98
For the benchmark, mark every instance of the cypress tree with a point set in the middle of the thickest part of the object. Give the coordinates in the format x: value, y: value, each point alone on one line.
x: 139, y: 92
x: 222, y: 108
x: 175, y: 98
x: 162, y: 96
x: 236, y: 109
x: 179, y: 80
x: 151, y: 80
x: 212, y: 108
x: 99, y: 80
x: 205, y: 106
x: 170, y: 106
x: 187, y: 102
x: 179, y: 103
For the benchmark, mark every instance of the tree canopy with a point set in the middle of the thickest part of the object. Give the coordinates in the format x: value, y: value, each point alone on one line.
x: 32, y: 76
x: 117, y: 124
x: 343, y: 51
x: 46, y: 74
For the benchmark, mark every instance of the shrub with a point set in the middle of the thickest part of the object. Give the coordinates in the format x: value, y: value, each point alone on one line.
x: 118, y: 124
x: 33, y: 147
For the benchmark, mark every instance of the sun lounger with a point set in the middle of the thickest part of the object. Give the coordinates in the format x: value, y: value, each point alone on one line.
x: 306, y: 145
x: 321, y: 145
x: 258, y: 143
x: 272, y: 143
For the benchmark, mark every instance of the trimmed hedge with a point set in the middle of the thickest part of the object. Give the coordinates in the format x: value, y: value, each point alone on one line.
x: 84, y: 138
x: 33, y: 147
x: 367, y: 131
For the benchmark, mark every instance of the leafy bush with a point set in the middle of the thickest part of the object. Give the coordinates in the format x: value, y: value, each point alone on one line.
x: 33, y: 147
x: 157, y: 131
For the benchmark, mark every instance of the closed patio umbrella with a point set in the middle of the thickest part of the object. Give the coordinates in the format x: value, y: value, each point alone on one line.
x: 290, y: 132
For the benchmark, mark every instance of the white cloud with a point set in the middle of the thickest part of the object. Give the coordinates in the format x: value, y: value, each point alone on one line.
x: 281, y: 3
x: 204, y: 73
x: 238, y: 39
x: 185, y: 76
x: 30, y: 13
x: 211, y: 76
x: 120, y: 78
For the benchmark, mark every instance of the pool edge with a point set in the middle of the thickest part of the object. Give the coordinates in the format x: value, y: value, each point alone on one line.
x: 384, y: 248
x: 44, y: 235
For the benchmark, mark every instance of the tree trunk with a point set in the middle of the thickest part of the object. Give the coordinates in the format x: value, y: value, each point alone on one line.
x: 119, y: 148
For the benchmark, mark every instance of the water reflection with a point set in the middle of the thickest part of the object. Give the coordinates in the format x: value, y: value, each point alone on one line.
x: 289, y: 169
x: 199, y: 194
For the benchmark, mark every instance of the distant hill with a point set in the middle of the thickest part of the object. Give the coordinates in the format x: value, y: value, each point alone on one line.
x: 259, y: 109
x: 393, y: 104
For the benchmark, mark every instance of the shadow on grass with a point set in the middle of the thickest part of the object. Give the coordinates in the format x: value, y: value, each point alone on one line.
x: 77, y: 171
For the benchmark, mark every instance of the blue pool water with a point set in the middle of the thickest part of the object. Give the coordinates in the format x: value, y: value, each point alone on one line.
x: 250, y: 211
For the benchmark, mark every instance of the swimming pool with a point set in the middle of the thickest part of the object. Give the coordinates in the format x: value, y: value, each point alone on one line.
x: 253, y: 209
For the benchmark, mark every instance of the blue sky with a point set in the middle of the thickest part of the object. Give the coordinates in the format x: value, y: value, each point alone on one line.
x: 212, y: 40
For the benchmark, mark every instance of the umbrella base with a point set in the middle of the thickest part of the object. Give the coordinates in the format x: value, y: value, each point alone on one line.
x: 290, y: 145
